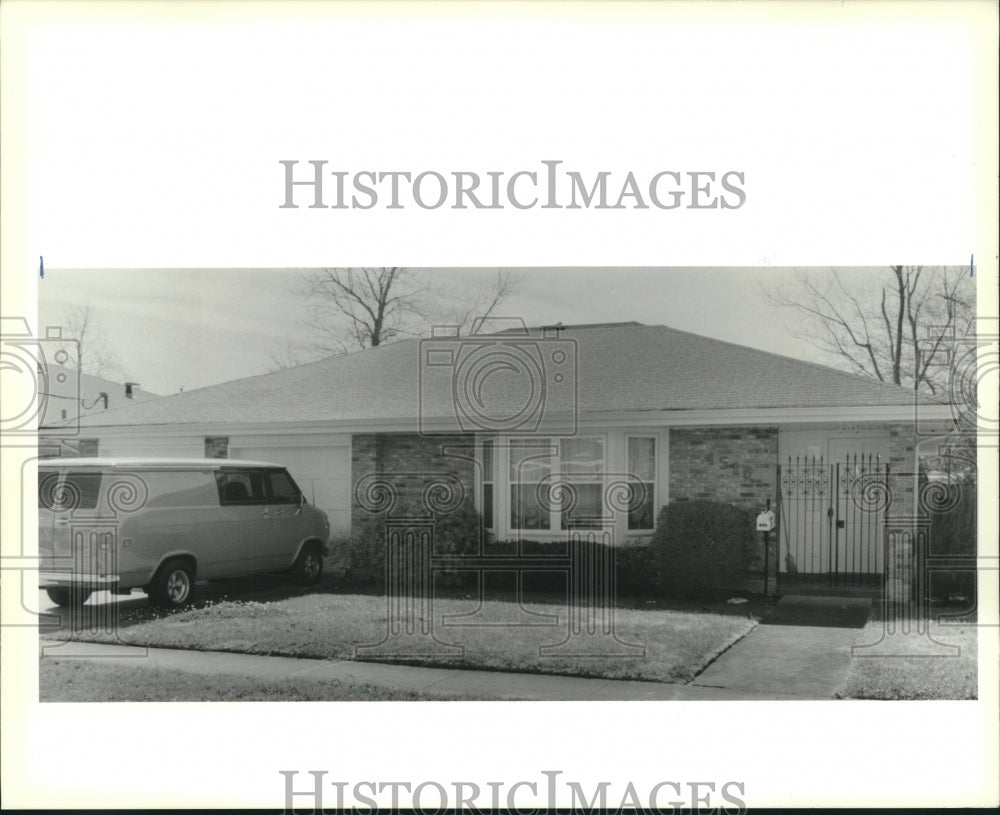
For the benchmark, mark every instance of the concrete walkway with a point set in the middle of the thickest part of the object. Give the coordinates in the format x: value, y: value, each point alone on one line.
x: 802, y: 650
x: 429, y: 681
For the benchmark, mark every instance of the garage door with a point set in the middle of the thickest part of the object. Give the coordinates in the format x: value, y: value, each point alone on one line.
x: 182, y: 447
x: 323, y: 473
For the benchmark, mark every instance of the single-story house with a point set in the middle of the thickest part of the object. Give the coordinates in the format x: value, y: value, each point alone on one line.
x: 512, y: 416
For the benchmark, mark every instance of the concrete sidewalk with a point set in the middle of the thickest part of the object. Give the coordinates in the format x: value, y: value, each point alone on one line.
x: 431, y: 681
x: 802, y: 650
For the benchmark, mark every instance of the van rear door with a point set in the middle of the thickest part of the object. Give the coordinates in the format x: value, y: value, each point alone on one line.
x: 82, y: 544
x: 48, y: 489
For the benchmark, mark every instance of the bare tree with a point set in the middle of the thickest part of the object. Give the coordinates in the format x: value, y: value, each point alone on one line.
x: 351, y: 309
x: 84, y: 325
x: 895, y: 327
x: 471, y: 310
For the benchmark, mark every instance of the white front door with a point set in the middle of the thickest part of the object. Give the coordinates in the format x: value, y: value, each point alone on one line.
x: 859, y: 508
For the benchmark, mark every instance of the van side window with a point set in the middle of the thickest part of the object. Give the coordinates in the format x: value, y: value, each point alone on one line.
x: 241, y: 487
x: 283, y: 489
x: 77, y: 490
x: 47, y: 484
x: 181, y: 488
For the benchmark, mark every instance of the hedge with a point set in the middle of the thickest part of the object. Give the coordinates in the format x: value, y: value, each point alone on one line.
x: 701, y: 545
x: 455, y: 533
x: 952, y: 510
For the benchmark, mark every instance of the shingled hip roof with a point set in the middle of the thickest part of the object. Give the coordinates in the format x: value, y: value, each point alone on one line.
x: 589, y: 371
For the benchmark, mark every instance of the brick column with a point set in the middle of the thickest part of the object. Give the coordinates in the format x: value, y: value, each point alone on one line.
x: 906, y: 539
x: 216, y: 446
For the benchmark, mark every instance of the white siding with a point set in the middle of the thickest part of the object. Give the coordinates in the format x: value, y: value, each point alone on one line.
x: 165, y: 447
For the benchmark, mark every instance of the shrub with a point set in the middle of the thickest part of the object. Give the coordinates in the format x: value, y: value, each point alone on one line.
x: 632, y: 565
x: 701, y: 545
x: 635, y: 569
x: 952, y: 510
x: 455, y: 533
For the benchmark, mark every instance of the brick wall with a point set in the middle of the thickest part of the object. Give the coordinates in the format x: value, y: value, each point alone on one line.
x: 88, y: 448
x: 421, y: 458
x: 902, y: 468
x: 735, y: 465
x: 69, y: 448
x: 904, y: 529
x: 216, y: 446
x: 731, y: 464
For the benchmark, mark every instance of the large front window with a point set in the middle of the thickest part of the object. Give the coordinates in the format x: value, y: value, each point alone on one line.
x: 530, y: 483
x: 582, y: 469
x: 556, y: 485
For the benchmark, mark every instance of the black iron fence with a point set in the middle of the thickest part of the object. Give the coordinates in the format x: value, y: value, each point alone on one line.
x: 831, y: 521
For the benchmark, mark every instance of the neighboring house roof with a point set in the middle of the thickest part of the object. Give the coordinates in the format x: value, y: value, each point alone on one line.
x: 66, y: 389
x: 620, y: 368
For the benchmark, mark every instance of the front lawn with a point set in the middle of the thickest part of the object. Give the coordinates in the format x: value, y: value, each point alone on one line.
x: 75, y: 680
x: 678, y: 642
x: 913, y: 664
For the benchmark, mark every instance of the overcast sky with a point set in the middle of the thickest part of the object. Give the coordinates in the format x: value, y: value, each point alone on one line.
x: 174, y: 329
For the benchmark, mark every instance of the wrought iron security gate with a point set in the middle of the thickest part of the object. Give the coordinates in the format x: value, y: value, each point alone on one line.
x: 831, y: 521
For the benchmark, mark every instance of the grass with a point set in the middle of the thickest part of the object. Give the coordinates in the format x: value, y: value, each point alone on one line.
x: 75, y: 680
x: 913, y: 664
x: 677, y: 643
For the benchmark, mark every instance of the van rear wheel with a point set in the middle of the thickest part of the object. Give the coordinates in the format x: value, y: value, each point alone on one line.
x: 173, y: 585
x: 308, y: 566
x: 68, y: 597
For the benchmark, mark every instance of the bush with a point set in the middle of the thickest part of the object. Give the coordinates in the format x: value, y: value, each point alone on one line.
x: 455, y: 533
x: 701, y: 545
x: 636, y: 573
x: 632, y: 565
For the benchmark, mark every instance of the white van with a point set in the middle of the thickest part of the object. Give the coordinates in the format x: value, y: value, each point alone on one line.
x: 159, y: 524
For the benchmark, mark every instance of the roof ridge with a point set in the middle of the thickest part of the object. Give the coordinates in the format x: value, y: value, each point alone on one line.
x: 576, y: 327
x: 825, y: 368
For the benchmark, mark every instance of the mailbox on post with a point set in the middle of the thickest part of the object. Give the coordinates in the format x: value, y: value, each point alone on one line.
x: 765, y: 524
x: 765, y: 521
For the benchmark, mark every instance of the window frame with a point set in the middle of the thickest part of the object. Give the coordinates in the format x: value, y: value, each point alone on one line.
x: 598, y: 479
x: 488, y: 478
x: 527, y: 442
x: 59, y: 479
x: 556, y: 476
x: 253, y: 502
x: 299, y: 495
x: 655, y: 437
